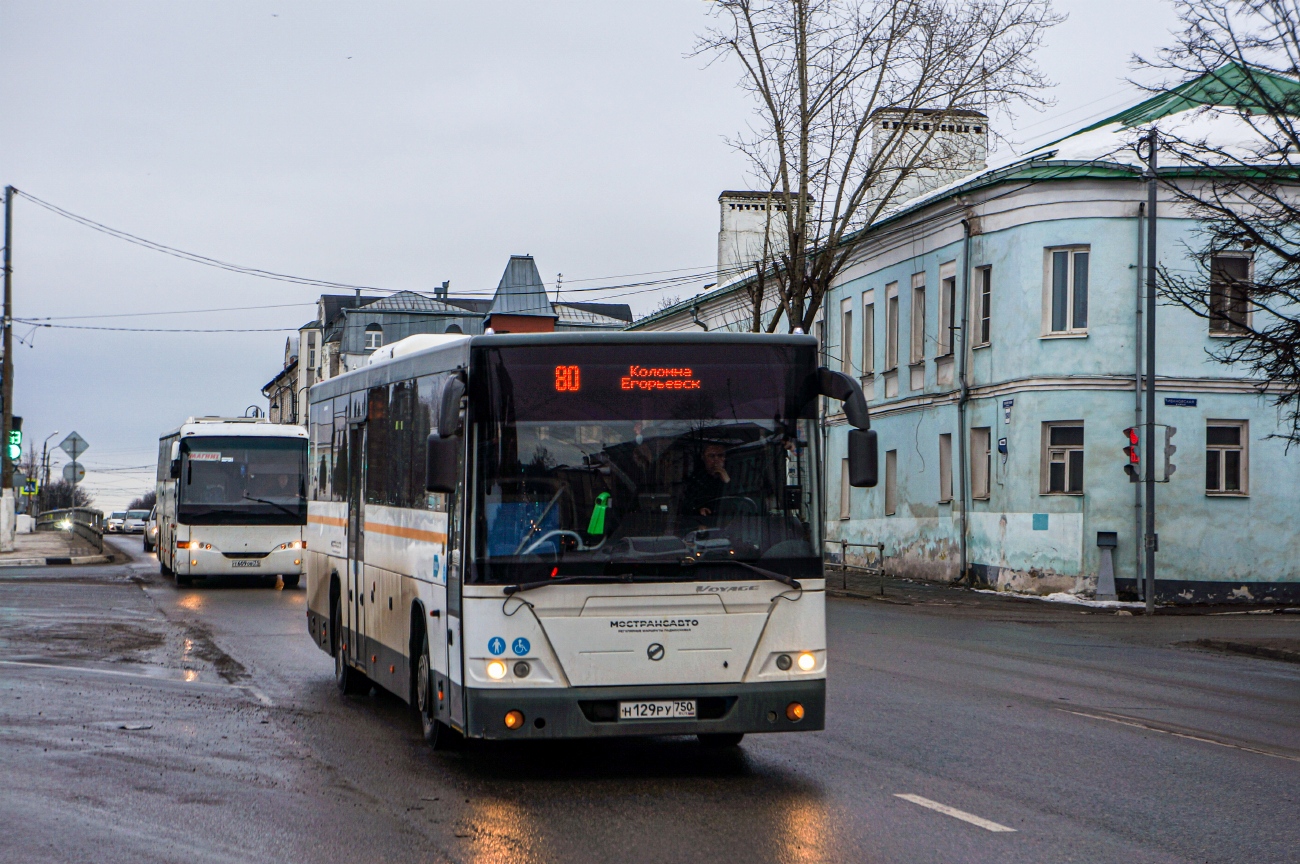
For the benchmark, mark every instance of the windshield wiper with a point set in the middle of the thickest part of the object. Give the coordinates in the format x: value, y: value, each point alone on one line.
x: 528, y: 586
x: 767, y: 574
x: 248, y: 497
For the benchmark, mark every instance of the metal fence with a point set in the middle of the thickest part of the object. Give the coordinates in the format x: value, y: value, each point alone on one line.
x: 85, y: 523
x: 857, y: 578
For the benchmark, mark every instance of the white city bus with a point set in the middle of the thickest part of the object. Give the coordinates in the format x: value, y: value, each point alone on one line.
x: 571, y: 535
x: 232, y: 499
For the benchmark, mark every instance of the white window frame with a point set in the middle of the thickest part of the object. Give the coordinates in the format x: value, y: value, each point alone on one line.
x: 1062, y: 454
x: 916, y: 323
x: 1217, y: 451
x: 371, y: 343
x: 846, y: 336
x: 1228, y: 329
x: 891, y: 326
x: 983, y: 306
x: 947, y: 336
x: 945, y: 468
x: 1072, y: 329
x: 891, y: 482
x: 868, y: 333
x: 981, y: 462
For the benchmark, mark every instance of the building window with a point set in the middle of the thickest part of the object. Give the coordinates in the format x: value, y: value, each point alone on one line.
x: 983, y: 305
x: 980, y: 462
x: 891, y: 482
x: 868, y: 334
x: 846, y: 337
x: 1067, y: 290
x: 891, y: 326
x: 1063, y: 458
x: 845, y: 489
x: 947, y: 297
x: 1225, y: 457
x: 374, y: 337
x: 1229, y: 281
x: 918, y: 317
x: 945, y: 468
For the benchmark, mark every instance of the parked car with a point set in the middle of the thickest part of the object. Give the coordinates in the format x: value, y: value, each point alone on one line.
x: 135, y: 520
x: 151, y: 530
x: 115, y: 522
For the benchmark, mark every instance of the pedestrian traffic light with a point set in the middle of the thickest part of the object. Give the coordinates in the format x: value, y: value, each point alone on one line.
x: 1134, y: 464
x: 16, y: 440
x: 1170, y: 449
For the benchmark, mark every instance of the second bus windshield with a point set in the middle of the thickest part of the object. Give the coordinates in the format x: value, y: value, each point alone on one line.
x: 242, y: 480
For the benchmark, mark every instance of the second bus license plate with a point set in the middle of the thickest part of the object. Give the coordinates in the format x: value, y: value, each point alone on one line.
x: 668, y: 709
x: 245, y: 562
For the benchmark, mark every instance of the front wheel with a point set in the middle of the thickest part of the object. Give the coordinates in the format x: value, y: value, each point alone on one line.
x: 438, y: 734
x: 291, y: 581
x: 720, y: 740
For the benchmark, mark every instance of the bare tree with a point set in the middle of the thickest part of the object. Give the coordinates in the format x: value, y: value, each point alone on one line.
x: 144, y: 502
x: 61, y: 494
x: 1237, y: 171
x: 819, y: 70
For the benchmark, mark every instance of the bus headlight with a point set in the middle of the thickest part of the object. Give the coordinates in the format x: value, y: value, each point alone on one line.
x: 807, y: 661
x: 496, y: 670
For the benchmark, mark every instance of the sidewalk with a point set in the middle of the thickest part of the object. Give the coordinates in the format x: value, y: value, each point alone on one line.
x: 44, y: 548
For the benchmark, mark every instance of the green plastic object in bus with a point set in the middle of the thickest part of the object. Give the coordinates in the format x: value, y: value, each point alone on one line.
x: 597, y: 523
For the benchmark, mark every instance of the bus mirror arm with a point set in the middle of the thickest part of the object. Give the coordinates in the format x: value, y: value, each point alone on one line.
x: 863, y: 447
x: 449, y: 415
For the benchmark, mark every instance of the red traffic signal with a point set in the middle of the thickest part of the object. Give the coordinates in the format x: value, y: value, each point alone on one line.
x: 1133, y: 453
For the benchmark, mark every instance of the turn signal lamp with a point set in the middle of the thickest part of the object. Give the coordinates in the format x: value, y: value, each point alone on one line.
x: 496, y: 671
x: 514, y: 719
x: 807, y: 662
x: 794, y: 712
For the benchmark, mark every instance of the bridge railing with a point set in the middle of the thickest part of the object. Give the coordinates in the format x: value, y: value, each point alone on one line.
x: 86, y: 523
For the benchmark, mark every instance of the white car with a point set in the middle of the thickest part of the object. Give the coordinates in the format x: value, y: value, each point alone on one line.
x: 115, y: 522
x: 135, y: 520
x: 151, y: 531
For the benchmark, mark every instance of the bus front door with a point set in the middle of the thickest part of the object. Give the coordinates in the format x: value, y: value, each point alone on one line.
x: 356, y: 576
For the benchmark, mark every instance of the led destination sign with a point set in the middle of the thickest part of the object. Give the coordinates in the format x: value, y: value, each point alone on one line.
x: 568, y: 379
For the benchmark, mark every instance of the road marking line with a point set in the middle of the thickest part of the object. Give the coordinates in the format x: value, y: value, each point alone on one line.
x: 1138, y: 724
x: 955, y: 813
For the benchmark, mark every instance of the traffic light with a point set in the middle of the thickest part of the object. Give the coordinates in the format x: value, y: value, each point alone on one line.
x: 16, y: 440
x: 1133, y: 467
x: 1170, y: 449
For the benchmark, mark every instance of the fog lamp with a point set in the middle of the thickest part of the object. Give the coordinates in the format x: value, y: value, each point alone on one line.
x: 514, y: 719
x: 194, y: 563
x: 522, y: 669
x: 783, y: 662
x: 496, y: 670
x: 297, y: 561
x: 807, y: 661
x: 794, y: 712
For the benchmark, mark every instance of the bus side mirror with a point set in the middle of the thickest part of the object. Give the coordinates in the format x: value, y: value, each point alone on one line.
x: 837, y: 385
x: 440, y: 464
x: 449, y: 420
x: 176, y: 469
x: 864, y: 458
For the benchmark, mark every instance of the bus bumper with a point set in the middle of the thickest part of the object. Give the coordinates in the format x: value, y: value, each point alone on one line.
x: 592, y: 712
x: 199, y: 563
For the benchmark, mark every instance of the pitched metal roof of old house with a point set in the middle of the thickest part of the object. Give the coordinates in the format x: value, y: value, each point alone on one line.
x: 521, y: 291
x: 409, y: 301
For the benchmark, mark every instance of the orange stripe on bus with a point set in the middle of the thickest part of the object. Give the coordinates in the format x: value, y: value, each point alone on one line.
x: 408, y: 533
x: 328, y: 520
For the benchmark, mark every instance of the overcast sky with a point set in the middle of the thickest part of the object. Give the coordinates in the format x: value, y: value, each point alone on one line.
x: 393, y: 145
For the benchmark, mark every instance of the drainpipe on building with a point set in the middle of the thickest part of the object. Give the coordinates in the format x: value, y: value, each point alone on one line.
x: 1137, y: 395
x: 964, y: 395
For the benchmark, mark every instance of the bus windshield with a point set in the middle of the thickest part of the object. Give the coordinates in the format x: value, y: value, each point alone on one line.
x: 242, y: 480
x: 662, y: 461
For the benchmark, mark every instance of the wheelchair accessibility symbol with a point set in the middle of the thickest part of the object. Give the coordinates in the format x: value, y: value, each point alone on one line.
x: 520, y: 646
x: 496, y: 646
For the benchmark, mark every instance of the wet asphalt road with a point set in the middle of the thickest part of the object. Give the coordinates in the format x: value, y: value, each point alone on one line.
x: 141, y: 722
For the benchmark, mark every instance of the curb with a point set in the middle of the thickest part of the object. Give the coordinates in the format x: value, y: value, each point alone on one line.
x: 54, y: 560
x: 1231, y: 647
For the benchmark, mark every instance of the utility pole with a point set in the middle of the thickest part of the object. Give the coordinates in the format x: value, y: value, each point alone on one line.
x: 1150, y: 449
x: 7, y: 366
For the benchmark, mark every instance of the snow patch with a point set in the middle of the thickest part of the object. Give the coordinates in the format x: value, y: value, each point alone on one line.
x: 1071, y: 599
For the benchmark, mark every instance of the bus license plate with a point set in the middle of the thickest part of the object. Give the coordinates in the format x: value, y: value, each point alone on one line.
x: 245, y: 562
x: 675, y: 709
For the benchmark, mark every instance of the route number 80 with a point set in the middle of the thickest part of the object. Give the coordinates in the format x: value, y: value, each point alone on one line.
x: 567, y: 379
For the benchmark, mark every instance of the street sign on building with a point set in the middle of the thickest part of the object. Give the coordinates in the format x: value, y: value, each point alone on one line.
x: 74, y: 472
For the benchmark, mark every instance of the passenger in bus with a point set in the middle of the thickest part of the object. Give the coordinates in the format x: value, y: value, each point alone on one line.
x: 709, y: 483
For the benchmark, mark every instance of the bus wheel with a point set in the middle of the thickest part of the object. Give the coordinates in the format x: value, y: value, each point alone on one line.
x: 720, y: 740
x: 291, y: 581
x: 163, y: 568
x: 438, y: 734
x: 347, y: 679
x: 183, y: 581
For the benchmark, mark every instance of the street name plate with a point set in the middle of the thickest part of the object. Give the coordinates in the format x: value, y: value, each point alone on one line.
x: 667, y: 709
x: 74, y: 445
